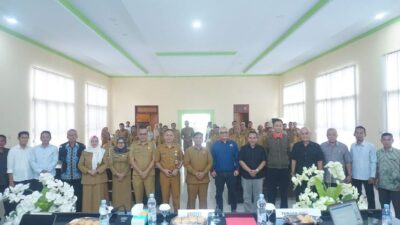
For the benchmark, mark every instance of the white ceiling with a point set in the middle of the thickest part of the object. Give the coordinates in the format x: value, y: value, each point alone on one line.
x: 124, y: 37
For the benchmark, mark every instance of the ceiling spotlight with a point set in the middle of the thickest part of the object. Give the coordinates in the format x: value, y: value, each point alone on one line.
x: 380, y: 16
x: 196, y: 24
x: 11, y: 20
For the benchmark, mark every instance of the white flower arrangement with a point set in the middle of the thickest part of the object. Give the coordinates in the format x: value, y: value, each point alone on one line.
x: 325, y: 196
x: 56, y: 196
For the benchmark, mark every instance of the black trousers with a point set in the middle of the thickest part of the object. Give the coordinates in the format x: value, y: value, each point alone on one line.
x: 78, y: 192
x: 277, y: 178
x: 369, y: 191
x: 386, y: 196
x: 157, y: 188
x: 36, y: 185
x: 229, y: 179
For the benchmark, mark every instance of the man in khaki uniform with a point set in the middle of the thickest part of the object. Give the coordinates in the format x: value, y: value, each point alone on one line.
x: 177, y: 134
x: 122, y: 132
x: 198, y: 162
x: 242, y: 135
x: 250, y: 127
x: 232, y: 129
x: 141, y: 156
x: 187, y: 135
x: 161, y: 135
x: 169, y: 158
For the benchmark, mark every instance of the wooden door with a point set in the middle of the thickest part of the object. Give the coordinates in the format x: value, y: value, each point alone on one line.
x: 241, y: 113
x: 146, y: 115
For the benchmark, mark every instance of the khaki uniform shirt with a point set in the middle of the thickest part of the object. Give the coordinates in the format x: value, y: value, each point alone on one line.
x: 169, y: 158
x: 122, y: 133
x: 133, y: 138
x: 242, y: 138
x: 119, y: 163
x: 197, y: 160
x: 142, y: 154
x: 85, y: 164
x: 177, y: 136
x: 187, y: 133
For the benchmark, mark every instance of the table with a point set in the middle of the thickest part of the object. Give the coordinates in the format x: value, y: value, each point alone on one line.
x: 369, y: 217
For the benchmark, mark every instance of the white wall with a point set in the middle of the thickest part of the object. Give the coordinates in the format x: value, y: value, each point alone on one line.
x: 368, y: 54
x: 215, y: 93
x: 17, y: 57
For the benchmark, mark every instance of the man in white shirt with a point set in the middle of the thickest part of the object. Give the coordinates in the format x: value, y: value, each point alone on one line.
x: 363, y: 155
x: 43, y: 159
x: 18, y: 168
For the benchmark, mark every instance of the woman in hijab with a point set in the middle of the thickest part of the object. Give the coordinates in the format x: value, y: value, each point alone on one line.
x: 92, y: 164
x: 121, y: 175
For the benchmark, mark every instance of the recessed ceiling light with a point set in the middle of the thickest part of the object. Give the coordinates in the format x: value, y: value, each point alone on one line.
x: 380, y: 16
x: 196, y: 24
x: 11, y: 20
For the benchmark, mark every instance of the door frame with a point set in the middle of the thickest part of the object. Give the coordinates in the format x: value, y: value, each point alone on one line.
x: 193, y: 111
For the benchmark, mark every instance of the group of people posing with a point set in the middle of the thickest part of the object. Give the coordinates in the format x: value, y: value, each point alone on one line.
x: 240, y: 158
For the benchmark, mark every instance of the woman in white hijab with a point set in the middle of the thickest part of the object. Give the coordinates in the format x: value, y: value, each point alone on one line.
x: 93, y: 166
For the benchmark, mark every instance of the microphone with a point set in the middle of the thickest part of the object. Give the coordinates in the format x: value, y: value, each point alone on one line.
x: 116, y: 209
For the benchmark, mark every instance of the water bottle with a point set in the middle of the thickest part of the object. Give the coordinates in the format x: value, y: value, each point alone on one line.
x: 152, y: 210
x: 261, y: 212
x: 104, y: 219
x: 386, y: 218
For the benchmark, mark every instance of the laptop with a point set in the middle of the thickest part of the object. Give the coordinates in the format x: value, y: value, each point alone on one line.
x: 346, y: 213
x: 38, y: 219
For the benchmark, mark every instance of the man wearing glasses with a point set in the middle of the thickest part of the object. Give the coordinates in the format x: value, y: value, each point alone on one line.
x: 141, y: 156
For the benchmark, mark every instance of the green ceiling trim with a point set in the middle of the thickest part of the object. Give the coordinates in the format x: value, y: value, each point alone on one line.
x: 50, y: 50
x: 68, y: 5
x: 316, y: 7
x: 199, y: 53
x: 346, y: 43
x: 195, y: 76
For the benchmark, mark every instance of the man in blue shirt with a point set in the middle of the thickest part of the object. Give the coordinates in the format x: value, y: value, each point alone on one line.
x: 43, y: 159
x: 363, y: 155
x: 225, y: 168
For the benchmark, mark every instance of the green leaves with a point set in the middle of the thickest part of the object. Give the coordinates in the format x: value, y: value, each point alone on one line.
x: 42, y: 202
x: 320, y: 188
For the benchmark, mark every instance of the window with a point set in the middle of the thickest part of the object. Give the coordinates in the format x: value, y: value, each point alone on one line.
x: 294, y: 103
x: 96, y: 110
x: 336, y: 104
x: 53, y: 105
x: 393, y: 95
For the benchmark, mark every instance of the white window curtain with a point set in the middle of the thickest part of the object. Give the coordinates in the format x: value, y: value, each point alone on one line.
x: 96, y: 110
x: 294, y: 103
x: 393, y: 95
x: 53, y: 105
x: 336, y: 104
